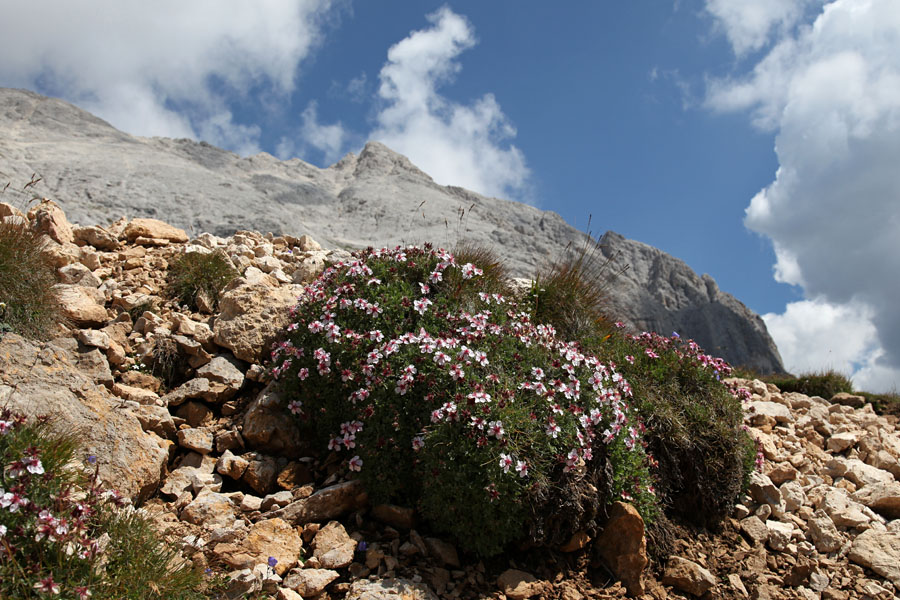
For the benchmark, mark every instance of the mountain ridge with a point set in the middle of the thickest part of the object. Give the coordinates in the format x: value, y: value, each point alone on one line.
x: 376, y: 197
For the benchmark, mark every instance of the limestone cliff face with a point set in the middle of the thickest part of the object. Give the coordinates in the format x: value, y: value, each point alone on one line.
x: 378, y: 197
x: 661, y: 293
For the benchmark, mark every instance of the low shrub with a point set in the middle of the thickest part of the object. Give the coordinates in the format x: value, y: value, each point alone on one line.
x: 62, y: 534
x: 30, y: 306
x: 695, y: 430
x: 196, y: 274
x: 701, y: 454
x: 822, y: 383
x: 459, y: 402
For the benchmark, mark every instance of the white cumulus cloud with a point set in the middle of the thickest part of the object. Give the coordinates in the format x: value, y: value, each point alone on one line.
x: 830, y: 90
x: 160, y: 68
x: 464, y: 145
x: 750, y: 24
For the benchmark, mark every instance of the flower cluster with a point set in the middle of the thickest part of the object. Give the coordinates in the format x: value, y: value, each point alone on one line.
x: 49, y: 529
x: 382, y: 356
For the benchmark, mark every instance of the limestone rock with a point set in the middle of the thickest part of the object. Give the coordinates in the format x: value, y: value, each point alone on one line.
x: 231, y: 465
x: 45, y: 379
x: 310, y: 582
x: 334, y: 548
x: 269, y: 427
x: 154, y: 229
x: 264, y: 539
x: 623, y: 547
x: 883, y: 498
x: 327, y: 503
x: 389, y: 589
x: 83, y: 305
x: 209, y: 509
x: 879, y: 551
x: 96, y: 236
x: 688, y: 576
x: 250, y: 318
x: 225, y: 370
x: 196, y: 439
x: 519, y: 585
x: 48, y: 218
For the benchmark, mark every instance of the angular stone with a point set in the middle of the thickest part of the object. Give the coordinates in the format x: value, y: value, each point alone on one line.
x: 95, y: 236
x: 48, y: 218
x: 135, y: 394
x: 261, y: 473
x: 269, y: 427
x: 823, y: 533
x: 198, y: 440
x: 793, y: 495
x: 310, y: 582
x: 779, y: 535
x: 48, y: 381
x: 82, y: 305
x: 848, y: 399
x: 841, y: 441
x: 327, y: 503
x: 333, y: 547
x: 154, y: 229
x: 224, y: 370
x: 389, y: 589
x: 444, y: 552
x: 519, y: 585
x: 883, y: 498
x: 78, y: 274
x: 763, y: 491
x: 156, y: 419
x: 270, y: 538
x: 779, y: 412
x: 196, y: 414
x: 209, y: 509
x: 251, y: 317
x: 879, y: 551
x: 276, y: 500
x: 842, y: 510
x: 755, y: 529
x: 623, y: 547
x: 294, y: 475
x: 197, y: 388
x: 688, y: 576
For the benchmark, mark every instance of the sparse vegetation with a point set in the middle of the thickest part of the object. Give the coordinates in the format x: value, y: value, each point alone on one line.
x: 63, y: 535
x: 196, y: 275
x: 31, y: 308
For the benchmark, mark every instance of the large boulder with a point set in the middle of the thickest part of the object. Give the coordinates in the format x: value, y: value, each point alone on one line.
x: 44, y: 379
x: 251, y: 317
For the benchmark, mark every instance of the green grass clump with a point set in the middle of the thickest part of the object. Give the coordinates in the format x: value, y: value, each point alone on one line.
x: 823, y: 383
x: 63, y: 535
x: 196, y: 274
x: 29, y: 305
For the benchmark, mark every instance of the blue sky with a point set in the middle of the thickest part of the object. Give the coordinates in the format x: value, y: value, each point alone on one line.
x: 754, y: 140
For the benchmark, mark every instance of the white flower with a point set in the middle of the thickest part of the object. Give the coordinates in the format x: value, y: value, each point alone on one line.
x: 355, y: 463
x: 522, y: 468
x: 506, y: 462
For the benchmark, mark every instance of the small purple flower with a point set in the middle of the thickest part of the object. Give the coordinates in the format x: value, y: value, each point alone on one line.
x: 273, y: 561
x: 92, y: 459
x: 361, y: 547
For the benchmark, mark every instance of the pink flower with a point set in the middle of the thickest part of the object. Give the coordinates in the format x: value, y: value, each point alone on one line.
x: 630, y: 359
x: 355, y: 463
x: 522, y: 468
x: 295, y: 407
x: 495, y: 428
x: 303, y: 373
x: 506, y: 462
x: 421, y: 305
x: 47, y: 586
x: 418, y: 443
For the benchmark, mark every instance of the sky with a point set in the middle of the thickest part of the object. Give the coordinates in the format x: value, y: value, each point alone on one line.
x: 756, y: 141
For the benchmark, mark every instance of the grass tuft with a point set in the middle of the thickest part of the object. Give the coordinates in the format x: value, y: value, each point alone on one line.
x: 29, y: 305
x: 195, y: 275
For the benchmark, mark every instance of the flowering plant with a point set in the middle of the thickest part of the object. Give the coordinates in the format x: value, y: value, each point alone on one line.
x: 62, y: 534
x: 443, y: 394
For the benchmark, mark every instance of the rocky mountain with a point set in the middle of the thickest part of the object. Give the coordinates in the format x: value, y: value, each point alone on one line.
x: 233, y: 484
x: 378, y: 197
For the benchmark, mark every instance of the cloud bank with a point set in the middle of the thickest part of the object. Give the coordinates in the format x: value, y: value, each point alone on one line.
x: 161, y: 68
x: 830, y: 90
x: 454, y: 143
